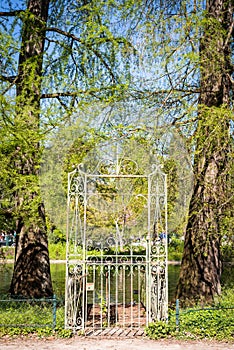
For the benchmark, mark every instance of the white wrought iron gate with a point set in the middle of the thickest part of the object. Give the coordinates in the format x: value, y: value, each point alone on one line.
x: 116, y: 246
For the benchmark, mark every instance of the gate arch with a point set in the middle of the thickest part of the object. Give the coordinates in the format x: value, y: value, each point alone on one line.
x: 116, y: 260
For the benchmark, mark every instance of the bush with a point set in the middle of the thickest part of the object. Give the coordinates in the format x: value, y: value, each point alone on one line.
x: 208, y: 324
x: 57, y: 251
x: 158, y: 330
x: 197, y: 323
x: 227, y: 251
x: 56, y: 236
x: 175, y: 248
x: 174, y: 255
x: 7, y: 253
x: 27, y: 317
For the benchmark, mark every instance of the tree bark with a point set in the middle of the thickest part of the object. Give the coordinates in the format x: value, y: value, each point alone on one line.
x: 31, y: 275
x: 201, y: 263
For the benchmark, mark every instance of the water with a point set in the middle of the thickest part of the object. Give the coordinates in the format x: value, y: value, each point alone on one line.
x: 58, y: 272
x: 58, y: 278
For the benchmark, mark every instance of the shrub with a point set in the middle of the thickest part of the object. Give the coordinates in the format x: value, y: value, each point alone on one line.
x: 199, y: 323
x: 157, y: 330
x: 208, y: 324
x: 57, y: 251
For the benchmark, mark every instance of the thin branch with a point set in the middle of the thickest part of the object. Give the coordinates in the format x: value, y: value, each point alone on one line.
x: 89, y: 46
x: 62, y: 32
x: 11, y: 79
x: 77, y: 93
x: 12, y: 82
x: 11, y: 13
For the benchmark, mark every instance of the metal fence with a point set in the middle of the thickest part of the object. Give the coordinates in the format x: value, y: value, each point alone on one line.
x: 49, y: 312
x: 28, y: 313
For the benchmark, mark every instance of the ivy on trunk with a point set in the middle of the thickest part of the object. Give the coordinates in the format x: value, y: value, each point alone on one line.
x: 201, y: 268
x: 31, y: 276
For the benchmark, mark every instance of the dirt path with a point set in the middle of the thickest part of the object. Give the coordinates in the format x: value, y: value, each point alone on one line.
x: 95, y: 343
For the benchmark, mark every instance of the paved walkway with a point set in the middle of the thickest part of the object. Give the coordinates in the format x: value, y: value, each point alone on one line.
x: 96, y: 343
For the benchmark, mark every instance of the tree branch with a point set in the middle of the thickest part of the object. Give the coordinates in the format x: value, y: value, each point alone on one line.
x: 11, y: 13
x: 62, y: 32
x: 82, y: 42
x: 11, y: 79
x: 77, y: 92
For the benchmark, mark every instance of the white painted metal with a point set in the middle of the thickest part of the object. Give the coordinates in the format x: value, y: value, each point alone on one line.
x: 116, y: 272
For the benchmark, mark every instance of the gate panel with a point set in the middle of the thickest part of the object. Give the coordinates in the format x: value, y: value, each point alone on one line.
x: 115, y: 294
x: 116, y: 250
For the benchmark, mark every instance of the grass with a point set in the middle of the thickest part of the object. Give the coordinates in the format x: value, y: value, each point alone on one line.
x: 214, y: 323
x: 24, y: 317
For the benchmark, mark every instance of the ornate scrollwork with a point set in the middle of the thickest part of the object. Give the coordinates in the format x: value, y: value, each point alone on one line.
x: 128, y: 166
x: 76, y: 186
x: 108, y: 224
x: 74, y: 297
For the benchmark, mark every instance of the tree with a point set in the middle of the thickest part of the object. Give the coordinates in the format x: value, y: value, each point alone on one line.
x: 81, y: 65
x: 31, y: 276
x: 175, y: 77
x: 188, y: 48
x: 201, y: 264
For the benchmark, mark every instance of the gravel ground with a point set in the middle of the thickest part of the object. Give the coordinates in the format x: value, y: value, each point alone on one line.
x: 96, y: 343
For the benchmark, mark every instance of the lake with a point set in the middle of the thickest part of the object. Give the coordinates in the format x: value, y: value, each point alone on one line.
x: 58, y: 278
x: 58, y: 271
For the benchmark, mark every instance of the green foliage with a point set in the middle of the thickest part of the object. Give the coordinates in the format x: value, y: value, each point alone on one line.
x: 31, y: 317
x: 63, y: 333
x: 79, y: 149
x: 174, y: 255
x: 14, y: 331
x: 199, y: 323
x: 60, y: 312
x: 227, y: 251
x: 209, y: 324
x: 7, y: 253
x: 58, y: 332
x: 160, y: 329
x: 25, y: 313
x: 57, y: 236
x: 57, y: 251
x: 175, y: 248
x: 88, y: 57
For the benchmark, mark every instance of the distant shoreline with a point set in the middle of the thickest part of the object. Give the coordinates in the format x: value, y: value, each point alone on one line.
x: 52, y: 261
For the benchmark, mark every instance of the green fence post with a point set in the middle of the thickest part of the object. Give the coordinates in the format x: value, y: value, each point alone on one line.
x: 7, y: 240
x: 54, y: 310
x: 177, y: 314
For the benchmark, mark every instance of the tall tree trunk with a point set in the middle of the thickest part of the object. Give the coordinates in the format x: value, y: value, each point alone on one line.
x: 31, y: 276
x: 201, y: 263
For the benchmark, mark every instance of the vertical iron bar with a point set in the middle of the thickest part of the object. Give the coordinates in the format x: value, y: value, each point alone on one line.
x: 139, y: 294
x: 160, y: 292
x: 124, y: 296
x: 108, y: 306
x: 76, y: 222
x: 67, y: 252
x: 93, y: 301
x: 148, y: 262
x: 84, y: 270
x: 131, y: 288
x: 177, y: 314
x: 116, y: 289
x: 166, y: 248
x: 54, y: 310
x: 101, y: 292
